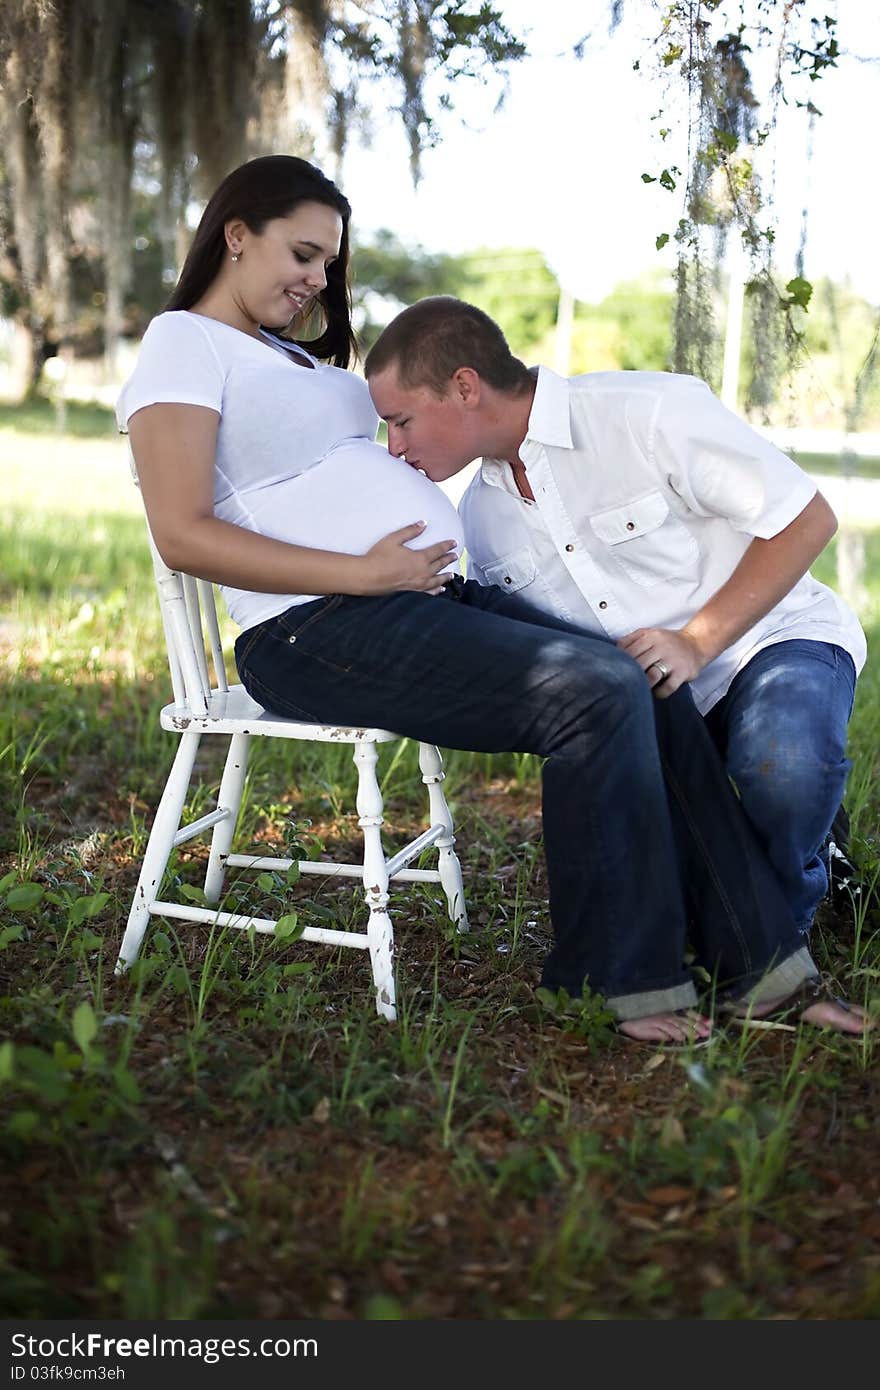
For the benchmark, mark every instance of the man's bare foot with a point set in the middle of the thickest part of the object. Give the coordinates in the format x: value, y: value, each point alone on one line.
x: 684, y: 1027
x: 838, y: 1014
x: 824, y: 1012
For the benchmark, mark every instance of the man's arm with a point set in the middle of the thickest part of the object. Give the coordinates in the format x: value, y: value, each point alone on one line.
x: 764, y: 575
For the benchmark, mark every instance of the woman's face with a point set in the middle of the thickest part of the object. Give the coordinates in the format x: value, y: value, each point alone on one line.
x: 285, y: 265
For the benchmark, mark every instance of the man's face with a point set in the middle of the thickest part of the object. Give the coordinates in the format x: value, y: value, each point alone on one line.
x: 435, y: 434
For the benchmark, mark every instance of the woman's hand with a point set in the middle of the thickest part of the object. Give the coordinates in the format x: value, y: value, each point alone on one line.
x: 391, y: 566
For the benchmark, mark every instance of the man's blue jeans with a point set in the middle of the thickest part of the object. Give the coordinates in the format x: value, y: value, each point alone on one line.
x: 632, y: 871
x: 781, y: 729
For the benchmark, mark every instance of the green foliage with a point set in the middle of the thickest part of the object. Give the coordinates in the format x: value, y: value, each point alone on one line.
x: 834, y: 353
x: 586, y: 1016
x: 289, y: 927
x: 640, y: 313
x: 823, y: 50
x: 715, y: 52
x: 513, y: 285
x: 386, y: 270
x: 25, y: 898
x: 800, y: 292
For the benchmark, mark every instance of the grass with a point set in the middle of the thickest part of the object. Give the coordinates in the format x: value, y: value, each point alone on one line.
x: 857, y: 466
x: 231, y: 1132
x: 39, y: 417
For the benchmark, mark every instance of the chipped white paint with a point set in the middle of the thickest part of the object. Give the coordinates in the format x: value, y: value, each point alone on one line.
x: 433, y: 776
x: 369, y: 806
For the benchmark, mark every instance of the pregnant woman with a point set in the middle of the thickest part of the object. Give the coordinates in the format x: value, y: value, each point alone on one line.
x: 259, y: 470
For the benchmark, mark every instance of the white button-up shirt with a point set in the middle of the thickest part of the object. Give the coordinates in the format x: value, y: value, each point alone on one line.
x: 648, y: 491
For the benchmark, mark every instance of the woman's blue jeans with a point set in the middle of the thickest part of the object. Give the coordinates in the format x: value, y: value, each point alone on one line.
x: 644, y: 838
x: 781, y: 730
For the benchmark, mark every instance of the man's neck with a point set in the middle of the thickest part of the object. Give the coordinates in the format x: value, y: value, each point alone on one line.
x: 511, y: 425
x: 519, y: 419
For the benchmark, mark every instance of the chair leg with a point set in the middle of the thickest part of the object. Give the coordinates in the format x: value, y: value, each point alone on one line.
x: 158, y: 851
x: 379, y: 930
x: 229, y: 796
x: 448, y: 865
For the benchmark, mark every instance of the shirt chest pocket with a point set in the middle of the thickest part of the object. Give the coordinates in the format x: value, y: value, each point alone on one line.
x: 512, y: 572
x: 647, y: 540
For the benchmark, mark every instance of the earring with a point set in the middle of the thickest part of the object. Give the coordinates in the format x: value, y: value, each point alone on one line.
x: 235, y: 255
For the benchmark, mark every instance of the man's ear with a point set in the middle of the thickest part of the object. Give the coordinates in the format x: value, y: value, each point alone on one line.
x: 466, y: 386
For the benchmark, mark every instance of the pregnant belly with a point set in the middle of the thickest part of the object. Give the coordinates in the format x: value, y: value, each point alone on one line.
x: 351, y: 499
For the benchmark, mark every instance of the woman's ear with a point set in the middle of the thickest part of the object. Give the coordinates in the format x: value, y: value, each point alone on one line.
x: 234, y: 231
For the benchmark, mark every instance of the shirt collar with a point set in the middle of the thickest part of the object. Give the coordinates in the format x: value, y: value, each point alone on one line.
x: 549, y: 421
x: 549, y: 424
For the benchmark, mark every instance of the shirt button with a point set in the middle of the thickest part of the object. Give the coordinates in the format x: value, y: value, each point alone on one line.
x: 630, y: 526
x: 291, y: 639
x: 603, y: 604
x: 569, y: 546
x: 507, y: 579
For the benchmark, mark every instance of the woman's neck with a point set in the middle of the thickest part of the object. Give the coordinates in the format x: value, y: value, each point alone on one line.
x: 220, y: 306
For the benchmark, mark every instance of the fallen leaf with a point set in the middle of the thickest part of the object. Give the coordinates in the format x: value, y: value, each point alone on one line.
x: 555, y: 1096
x: 674, y: 1214
x: 671, y: 1132
x: 668, y: 1196
x: 819, y: 1259
x: 641, y: 1223
x: 393, y: 1276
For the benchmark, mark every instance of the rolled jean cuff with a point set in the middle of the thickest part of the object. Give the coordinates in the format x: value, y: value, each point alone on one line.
x: 627, y: 1007
x: 783, y: 979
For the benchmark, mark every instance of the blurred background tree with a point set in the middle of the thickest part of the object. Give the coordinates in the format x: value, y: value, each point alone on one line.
x: 734, y: 64
x: 119, y: 118
x: 513, y: 284
x: 115, y: 116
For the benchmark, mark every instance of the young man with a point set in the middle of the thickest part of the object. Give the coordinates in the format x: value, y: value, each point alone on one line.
x: 634, y: 504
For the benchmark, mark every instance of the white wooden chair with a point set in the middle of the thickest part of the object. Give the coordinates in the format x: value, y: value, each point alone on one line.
x: 200, y: 707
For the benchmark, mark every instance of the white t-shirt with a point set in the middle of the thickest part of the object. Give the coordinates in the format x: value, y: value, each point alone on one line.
x: 648, y: 492
x: 296, y: 452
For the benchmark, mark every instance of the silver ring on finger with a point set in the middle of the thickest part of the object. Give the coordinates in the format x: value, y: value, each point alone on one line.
x: 662, y: 668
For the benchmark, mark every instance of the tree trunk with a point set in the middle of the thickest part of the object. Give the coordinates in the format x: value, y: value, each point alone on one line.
x: 224, y: 57
x: 25, y: 259
x: 116, y: 59
x: 26, y: 366
x: 117, y: 249
x: 306, y: 82
x: 55, y: 127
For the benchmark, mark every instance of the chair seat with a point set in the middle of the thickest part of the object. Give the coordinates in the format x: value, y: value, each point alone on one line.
x: 234, y: 712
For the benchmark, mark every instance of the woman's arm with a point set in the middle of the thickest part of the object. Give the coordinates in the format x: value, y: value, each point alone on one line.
x: 174, y: 448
